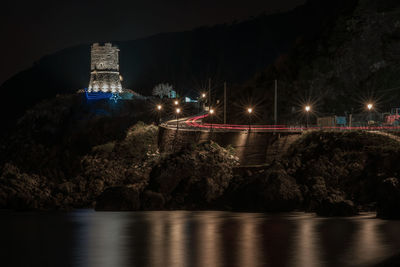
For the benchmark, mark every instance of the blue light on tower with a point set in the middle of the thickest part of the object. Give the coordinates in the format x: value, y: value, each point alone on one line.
x: 97, y: 95
x: 115, y: 97
x: 101, y: 95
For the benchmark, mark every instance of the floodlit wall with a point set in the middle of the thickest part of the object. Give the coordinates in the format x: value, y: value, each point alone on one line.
x: 251, y: 148
x: 104, y: 76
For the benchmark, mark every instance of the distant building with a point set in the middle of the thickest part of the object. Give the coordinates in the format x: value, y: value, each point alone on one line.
x: 104, y: 75
x: 172, y: 94
x: 189, y: 100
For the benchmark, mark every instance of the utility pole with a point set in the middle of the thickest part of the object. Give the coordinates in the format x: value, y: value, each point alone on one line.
x: 209, y: 93
x: 224, y: 102
x: 350, y: 119
x: 276, y: 103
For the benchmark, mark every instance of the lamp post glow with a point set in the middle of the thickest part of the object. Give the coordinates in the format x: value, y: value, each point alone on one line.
x: 250, y: 111
x: 307, y: 109
x: 176, y: 102
x: 370, y: 107
x: 177, y: 111
x: 202, y: 101
x: 159, y: 108
x: 211, y: 112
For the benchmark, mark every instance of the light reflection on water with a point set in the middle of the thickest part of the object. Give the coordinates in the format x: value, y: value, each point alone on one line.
x: 184, y: 238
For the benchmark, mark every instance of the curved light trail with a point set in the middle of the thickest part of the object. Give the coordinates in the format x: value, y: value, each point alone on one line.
x: 193, y: 122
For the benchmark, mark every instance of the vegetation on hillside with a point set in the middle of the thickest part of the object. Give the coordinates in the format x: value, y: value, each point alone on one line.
x: 353, y: 60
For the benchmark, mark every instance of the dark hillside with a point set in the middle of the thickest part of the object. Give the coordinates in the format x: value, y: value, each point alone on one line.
x: 354, y: 60
x: 232, y: 52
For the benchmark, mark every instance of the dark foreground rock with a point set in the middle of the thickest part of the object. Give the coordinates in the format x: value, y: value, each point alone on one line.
x: 121, y: 162
x: 262, y: 190
x: 20, y: 191
x: 152, y: 200
x: 336, y: 205
x: 389, y: 199
x: 192, y: 178
x: 121, y: 198
x: 393, y: 261
x: 130, y: 175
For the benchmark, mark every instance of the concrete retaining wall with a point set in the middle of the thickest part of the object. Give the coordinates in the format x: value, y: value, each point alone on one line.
x: 252, y: 148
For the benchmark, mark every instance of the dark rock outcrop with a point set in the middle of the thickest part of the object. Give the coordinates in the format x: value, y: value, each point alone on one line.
x: 314, y: 192
x: 152, y: 200
x: 389, y: 199
x: 123, y: 162
x: 21, y: 191
x: 393, y: 261
x: 336, y: 205
x: 120, y: 198
x: 271, y: 190
x: 338, y: 171
x: 194, y: 177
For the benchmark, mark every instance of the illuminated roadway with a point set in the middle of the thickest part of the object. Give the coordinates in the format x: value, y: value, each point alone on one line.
x: 195, y: 123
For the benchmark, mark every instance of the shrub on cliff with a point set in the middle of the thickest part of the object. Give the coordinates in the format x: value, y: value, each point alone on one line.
x: 194, y: 176
x: 352, y: 163
x: 21, y: 191
x: 53, y: 136
x: 123, y: 162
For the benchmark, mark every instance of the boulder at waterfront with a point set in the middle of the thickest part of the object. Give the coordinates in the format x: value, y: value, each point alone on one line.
x: 120, y: 198
x: 152, y: 200
x: 393, y: 261
x: 270, y: 189
x: 193, y: 177
x: 336, y: 206
x: 389, y: 199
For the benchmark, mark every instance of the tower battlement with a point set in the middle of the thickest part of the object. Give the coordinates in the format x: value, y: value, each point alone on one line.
x: 104, y: 76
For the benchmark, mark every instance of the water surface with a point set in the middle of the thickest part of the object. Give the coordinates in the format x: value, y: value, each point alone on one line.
x: 184, y: 238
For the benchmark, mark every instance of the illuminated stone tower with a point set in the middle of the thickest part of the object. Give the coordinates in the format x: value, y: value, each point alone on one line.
x: 104, y: 75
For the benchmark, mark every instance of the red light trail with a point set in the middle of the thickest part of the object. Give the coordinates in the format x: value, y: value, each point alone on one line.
x: 193, y: 122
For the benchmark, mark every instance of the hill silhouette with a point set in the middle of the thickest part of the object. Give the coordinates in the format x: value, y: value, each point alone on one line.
x: 353, y: 61
x: 232, y: 52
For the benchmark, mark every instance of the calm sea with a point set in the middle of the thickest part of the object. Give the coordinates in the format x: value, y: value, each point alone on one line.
x: 185, y: 238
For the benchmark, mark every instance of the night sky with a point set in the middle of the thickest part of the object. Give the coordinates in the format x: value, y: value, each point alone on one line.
x: 32, y: 29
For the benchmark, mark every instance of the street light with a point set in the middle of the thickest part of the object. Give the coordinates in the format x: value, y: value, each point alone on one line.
x: 370, y: 106
x: 250, y: 111
x: 211, y: 112
x: 159, y: 108
x: 202, y: 100
x: 307, y: 109
x: 178, y: 110
x: 176, y: 102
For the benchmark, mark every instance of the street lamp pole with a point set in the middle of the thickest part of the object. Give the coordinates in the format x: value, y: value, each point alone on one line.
x: 159, y: 108
x: 178, y: 110
x: 307, y: 109
x: 250, y: 111
x: 203, y: 101
x: 370, y: 106
x: 211, y: 116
